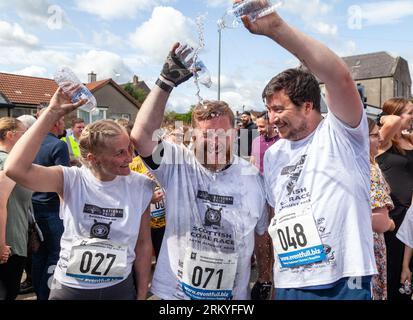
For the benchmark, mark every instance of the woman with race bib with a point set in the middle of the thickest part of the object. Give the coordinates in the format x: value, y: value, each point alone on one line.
x: 104, y: 207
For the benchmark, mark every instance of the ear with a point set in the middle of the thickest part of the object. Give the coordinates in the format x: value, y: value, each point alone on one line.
x: 91, y: 158
x: 9, y: 134
x: 308, y: 106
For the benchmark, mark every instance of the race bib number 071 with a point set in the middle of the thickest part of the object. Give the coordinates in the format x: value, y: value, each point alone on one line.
x: 209, y: 276
x: 96, y: 261
x: 295, y: 237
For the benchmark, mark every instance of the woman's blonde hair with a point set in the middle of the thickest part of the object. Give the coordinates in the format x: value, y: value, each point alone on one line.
x: 94, y: 137
x: 8, y: 124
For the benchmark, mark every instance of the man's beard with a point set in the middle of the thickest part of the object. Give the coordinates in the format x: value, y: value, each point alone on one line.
x: 296, y: 134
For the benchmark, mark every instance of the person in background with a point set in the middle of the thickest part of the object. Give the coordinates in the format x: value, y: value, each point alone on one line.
x: 246, y: 134
x: 27, y: 286
x: 405, y: 235
x: 268, y: 136
x: 395, y: 159
x: 72, y: 140
x: 381, y: 204
x: 15, y: 203
x: 46, y: 206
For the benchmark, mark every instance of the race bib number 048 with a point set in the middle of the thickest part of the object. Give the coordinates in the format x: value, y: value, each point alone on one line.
x: 96, y: 261
x: 295, y: 237
x: 209, y: 276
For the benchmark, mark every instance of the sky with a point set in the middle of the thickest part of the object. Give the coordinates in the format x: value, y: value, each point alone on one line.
x: 121, y: 38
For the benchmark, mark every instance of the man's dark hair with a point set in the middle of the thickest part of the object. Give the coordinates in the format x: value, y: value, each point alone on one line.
x: 263, y: 115
x: 299, y: 85
x: 247, y: 113
x: 76, y: 121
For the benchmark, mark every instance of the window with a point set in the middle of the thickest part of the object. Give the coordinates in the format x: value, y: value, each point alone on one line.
x: 17, y: 112
x: 396, y: 88
x: 92, y: 117
x: 115, y: 116
x: 126, y: 116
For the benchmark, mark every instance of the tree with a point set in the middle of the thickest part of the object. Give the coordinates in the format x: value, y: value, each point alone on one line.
x: 137, y: 93
x: 172, y: 116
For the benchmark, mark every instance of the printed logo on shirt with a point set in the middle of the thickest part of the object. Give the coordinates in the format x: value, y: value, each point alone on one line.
x: 104, y: 212
x: 213, y: 217
x: 100, y: 230
x: 294, y: 173
x: 213, y: 198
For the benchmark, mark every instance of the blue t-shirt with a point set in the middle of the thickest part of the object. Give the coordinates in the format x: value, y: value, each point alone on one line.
x: 52, y: 152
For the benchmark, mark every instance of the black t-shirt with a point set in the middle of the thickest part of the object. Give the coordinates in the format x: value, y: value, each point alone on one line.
x: 398, y: 171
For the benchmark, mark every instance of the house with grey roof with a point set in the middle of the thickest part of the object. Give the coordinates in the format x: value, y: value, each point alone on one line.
x: 382, y: 75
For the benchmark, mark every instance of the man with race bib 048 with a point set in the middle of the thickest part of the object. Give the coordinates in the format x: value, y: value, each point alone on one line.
x: 317, y: 176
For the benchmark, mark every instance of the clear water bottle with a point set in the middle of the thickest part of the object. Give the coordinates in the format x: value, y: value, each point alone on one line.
x: 254, y: 9
x: 65, y: 79
x: 198, y: 68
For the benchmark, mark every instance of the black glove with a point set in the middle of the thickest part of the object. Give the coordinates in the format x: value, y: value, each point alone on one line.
x: 261, y: 290
x: 174, y: 70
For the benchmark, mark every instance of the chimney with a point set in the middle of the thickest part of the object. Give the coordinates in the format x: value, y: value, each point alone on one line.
x: 135, y: 80
x: 91, y: 77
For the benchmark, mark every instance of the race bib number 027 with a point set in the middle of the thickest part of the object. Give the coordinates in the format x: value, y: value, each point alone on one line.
x: 209, y: 276
x: 295, y: 237
x: 96, y: 261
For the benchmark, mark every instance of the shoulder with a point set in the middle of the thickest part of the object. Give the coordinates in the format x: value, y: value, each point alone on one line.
x: 74, y: 171
x: 139, y: 178
x: 256, y: 140
x: 54, y: 142
x: 275, y: 148
x: 245, y: 170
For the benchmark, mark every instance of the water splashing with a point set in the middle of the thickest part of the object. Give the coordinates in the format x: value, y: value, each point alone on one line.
x: 199, y: 21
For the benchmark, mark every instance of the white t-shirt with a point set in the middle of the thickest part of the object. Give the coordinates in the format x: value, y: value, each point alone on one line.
x: 328, y: 170
x: 108, y: 211
x: 405, y: 232
x: 208, y: 213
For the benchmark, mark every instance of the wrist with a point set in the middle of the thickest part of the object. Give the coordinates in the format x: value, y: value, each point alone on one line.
x: 165, y: 84
x: 51, y: 114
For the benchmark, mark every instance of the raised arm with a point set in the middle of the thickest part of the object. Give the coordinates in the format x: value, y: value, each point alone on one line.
x: 342, y: 96
x: 150, y: 116
x: 19, y: 166
x: 390, y: 127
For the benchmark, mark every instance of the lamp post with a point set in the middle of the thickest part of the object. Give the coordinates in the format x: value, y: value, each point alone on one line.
x: 221, y: 25
x: 219, y: 62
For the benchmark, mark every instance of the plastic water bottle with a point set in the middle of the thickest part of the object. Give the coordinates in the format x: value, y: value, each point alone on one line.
x: 254, y: 9
x: 65, y: 79
x: 198, y: 68
x: 204, y: 77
